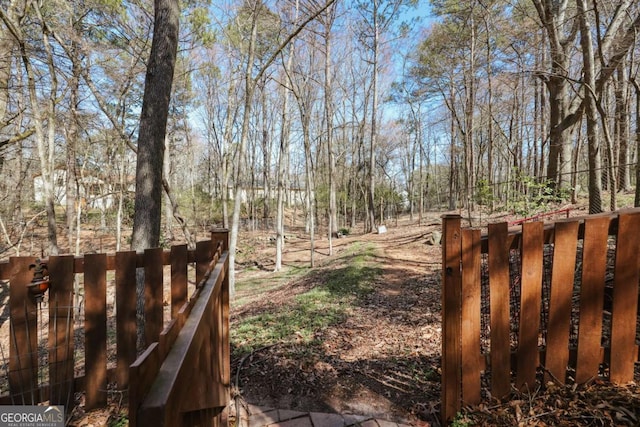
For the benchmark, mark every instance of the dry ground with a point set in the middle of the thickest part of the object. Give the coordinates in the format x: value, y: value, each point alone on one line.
x: 382, y: 359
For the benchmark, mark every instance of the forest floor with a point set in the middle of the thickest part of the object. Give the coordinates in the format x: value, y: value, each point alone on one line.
x: 378, y: 352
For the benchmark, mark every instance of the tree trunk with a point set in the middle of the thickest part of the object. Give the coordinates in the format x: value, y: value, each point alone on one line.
x: 153, y: 125
x: 636, y: 86
x: 71, y: 184
x: 45, y: 143
x: 283, y: 161
x: 552, y: 17
x: 151, y: 136
x: 595, y: 190
x: 623, y: 128
x: 328, y: 111
x: 374, y: 122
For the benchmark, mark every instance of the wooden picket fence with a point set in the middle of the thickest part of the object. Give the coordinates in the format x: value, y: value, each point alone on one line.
x: 555, y: 302
x: 183, y: 379
x: 42, y: 365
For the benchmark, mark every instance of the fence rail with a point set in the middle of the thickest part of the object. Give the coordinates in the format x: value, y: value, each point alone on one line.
x: 37, y: 351
x: 537, y: 303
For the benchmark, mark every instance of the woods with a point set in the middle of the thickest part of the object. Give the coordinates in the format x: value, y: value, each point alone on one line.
x: 350, y: 112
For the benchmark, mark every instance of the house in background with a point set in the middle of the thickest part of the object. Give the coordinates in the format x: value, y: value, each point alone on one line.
x: 96, y: 192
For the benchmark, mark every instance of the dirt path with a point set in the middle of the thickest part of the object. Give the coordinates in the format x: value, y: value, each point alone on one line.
x: 382, y: 359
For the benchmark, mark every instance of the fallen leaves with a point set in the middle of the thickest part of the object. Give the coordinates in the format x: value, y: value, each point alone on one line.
x: 595, y: 404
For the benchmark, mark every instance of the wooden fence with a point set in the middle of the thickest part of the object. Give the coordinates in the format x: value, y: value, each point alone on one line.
x: 42, y: 365
x: 555, y: 302
x: 183, y: 379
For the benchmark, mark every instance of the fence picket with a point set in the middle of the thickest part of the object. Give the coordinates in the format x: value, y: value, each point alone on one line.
x: 126, y: 325
x: 153, y: 295
x: 451, y: 305
x: 221, y: 236
x: 61, y: 342
x: 471, y: 297
x: 95, y: 329
x: 625, y: 299
x: 23, y: 360
x: 204, y: 255
x: 530, y: 304
x: 499, y: 307
x: 594, y: 263
x: 179, y: 258
x: 562, y: 278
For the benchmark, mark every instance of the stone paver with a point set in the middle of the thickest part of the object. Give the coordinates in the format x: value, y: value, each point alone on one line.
x: 326, y: 420
x: 350, y: 420
x: 296, y: 422
x: 287, y: 414
x: 269, y: 417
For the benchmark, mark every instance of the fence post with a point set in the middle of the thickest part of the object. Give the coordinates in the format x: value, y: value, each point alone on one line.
x: 221, y: 235
x: 451, y: 317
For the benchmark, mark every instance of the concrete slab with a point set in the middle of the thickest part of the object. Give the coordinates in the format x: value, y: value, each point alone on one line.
x: 326, y: 420
x: 296, y: 422
x: 353, y: 420
x: 287, y: 414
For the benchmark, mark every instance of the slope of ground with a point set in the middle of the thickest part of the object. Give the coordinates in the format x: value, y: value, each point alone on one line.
x: 375, y: 345
x: 361, y: 334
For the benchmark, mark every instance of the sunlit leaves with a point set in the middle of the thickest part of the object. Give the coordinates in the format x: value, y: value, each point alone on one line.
x: 200, y: 25
x: 267, y: 24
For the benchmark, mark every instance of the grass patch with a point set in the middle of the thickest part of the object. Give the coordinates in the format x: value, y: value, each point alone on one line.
x: 248, y: 290
x: 329, y: 302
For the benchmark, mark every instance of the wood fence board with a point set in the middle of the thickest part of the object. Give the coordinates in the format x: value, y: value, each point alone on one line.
x: 499, y: 308
x: 23, y: 360
x: 178, y: 278
x: 221, y: 235
x: 204, y: 254
x: 168, y: 336
x: 206, y: 389
x: 95, y: 291
x: 142, y: 374
x: 594, y: 264
x: 60, y: 339
x: 625, y: 299
x: 126, y: 324
x: 153, y: 293
x: 530, y: 304
x: 471, y: 298
x: 176, y: 381
x: 560, y: 305
x: 223, y: 327
x: 451, y: 306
